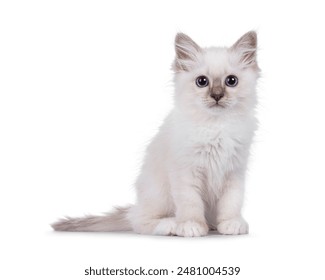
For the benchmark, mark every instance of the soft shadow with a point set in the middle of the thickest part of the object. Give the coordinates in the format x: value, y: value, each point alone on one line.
x: 128, y: 234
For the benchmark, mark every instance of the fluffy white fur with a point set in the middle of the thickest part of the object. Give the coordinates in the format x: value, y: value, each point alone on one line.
x: 193, y: 174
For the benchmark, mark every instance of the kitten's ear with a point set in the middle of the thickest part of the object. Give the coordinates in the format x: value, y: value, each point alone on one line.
x: 246, y: 46
x: 186, y: 52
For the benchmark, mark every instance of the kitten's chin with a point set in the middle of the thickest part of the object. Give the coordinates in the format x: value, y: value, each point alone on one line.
x: 215, y: 109
x: 218, y: 109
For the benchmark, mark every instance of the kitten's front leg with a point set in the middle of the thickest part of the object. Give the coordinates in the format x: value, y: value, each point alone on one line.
x: 229, y: 219
x: 189, y: 206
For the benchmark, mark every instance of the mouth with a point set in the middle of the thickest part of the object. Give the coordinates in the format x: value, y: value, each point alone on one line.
x: 219, y: 105
x: 216, y: 105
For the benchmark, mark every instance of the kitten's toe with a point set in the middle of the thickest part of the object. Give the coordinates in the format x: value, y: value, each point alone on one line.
x: 192, y: 229
x: 166, y: 226
x: 233, y: 226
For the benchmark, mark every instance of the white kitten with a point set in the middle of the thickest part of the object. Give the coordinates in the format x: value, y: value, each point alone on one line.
x: 193, y: 174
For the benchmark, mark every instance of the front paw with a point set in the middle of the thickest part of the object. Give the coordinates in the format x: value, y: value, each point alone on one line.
x: 233, y: 226
x: 192, y: 229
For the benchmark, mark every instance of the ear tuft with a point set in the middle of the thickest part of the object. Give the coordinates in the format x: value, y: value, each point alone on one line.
x: 246, y: 46
x: 186, y: 52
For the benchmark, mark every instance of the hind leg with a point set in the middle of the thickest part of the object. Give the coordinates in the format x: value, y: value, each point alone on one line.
x: 154, y: 211
x: 150, y: 219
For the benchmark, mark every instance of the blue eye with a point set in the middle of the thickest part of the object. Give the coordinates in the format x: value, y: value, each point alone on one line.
x: 202, y: 81
x: 231, y: 81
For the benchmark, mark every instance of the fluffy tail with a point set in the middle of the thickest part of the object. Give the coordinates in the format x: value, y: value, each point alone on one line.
x: 115, y: 221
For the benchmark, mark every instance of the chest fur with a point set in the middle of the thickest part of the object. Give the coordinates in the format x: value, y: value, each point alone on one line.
x: 217, y: 152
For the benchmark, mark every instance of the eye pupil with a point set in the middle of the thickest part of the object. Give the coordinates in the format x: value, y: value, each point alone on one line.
x: 202, y: 81
x: 231, y: 81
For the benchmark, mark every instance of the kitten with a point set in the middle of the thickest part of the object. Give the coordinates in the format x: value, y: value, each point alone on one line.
x: 192, y: 178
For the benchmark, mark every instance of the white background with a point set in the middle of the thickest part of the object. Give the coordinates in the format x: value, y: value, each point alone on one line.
x: 84, y: 85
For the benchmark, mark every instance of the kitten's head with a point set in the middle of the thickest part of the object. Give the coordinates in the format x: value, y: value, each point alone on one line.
x: 215, y: 80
